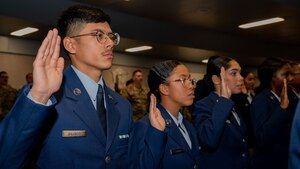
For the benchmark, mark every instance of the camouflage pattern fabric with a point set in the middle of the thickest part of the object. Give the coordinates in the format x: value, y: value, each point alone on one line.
x: 138, y: 99
x: 8, y: 97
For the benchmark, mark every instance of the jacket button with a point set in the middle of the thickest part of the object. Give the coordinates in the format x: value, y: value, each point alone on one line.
x: 107, y: 159
x: 243, y: 155
x: 195, y: 166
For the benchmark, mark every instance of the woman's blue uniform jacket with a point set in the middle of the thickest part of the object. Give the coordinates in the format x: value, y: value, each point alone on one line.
x: 272, y: 127
x: 222, y: 140
x: 153, y: 149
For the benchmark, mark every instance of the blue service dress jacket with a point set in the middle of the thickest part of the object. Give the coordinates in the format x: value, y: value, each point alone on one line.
x: 20, y: 130
x: 154, y: 149
x: 271, y: 127
x: 74, y: 138
x: 294, y: 150
x: 222, y: 140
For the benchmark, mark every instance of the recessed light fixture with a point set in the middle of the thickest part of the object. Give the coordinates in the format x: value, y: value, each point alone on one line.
x: 262, y: 22
x: 204, y: 61
x: 137, y: 49
x: 24, y: 31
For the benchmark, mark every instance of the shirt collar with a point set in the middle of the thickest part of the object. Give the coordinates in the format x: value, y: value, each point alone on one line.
x: 277, y: 97
x: 180, y: 118
x: 89, y: 84
x: 297, y: 94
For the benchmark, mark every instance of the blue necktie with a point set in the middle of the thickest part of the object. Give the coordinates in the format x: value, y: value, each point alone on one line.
x: 101, y: 108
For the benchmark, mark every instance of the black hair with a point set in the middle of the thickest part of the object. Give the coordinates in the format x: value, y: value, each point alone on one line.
x: 267, y: 70
x: 158, y: 74
x: 214, y: 68
x: 3, y: 72
x: 245, y: 73
x: 28, y: 74
x: 72, y: 19
x: 136, y: 71
x: 128, y: 82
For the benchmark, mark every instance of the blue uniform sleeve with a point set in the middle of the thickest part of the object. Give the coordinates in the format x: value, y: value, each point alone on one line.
x: 267, y: 119
x: 210, y: 118
x: 49, y: 102
x: 20, y: 129
x: 147, y: 147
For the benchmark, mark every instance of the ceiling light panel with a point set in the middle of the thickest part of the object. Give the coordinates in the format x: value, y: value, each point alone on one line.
x: 24, y: 31
x: 137, y: 49
x: 261, y: 23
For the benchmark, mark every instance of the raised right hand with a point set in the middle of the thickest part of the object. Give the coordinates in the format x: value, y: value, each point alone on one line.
x: 284, y: 100
x: 225, y: 91
x: 47, y: 68
x: 156, y: 120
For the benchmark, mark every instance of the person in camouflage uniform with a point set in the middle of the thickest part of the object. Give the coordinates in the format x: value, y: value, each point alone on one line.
x: 8, y: 95
x: 136, y: 93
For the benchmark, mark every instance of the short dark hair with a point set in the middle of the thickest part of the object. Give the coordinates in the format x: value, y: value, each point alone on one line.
x: 3, y: 72
x: 28, y: 74
x: 136, y: 71
x: 73, y: 19
x: 158, y: 74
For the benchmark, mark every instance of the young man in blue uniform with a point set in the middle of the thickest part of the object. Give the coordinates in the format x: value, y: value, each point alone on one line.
x: 82, y: 132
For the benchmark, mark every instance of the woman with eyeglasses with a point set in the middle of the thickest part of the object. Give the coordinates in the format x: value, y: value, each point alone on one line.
x: 220, y: 128
x: 164, y: 138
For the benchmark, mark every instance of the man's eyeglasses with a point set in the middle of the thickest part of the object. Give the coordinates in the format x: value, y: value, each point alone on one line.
x: 102, y: 36
x: 186, y: 82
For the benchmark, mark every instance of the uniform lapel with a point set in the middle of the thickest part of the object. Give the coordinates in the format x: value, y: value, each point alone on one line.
x: 233, y: 119
x: 241, y: 128
x: 193, y: 137
x: 272, y: 97
x: 173, y: 130
x: 113, y: 117
x: 82, y: 104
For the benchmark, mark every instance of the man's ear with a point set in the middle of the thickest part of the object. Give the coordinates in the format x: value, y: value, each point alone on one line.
x: 216, y: 80
x: 69, y: 45
x: 163, y: 89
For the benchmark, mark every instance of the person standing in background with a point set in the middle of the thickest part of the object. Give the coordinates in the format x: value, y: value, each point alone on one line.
x: 3, y: 78
x: 8, y: 95
x: 136, y: 93
x: 29, y: 78
x: 294, y: 85
x: 249, y: 82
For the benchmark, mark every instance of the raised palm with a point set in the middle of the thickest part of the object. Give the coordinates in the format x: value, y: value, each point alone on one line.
x: 47, y: 68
